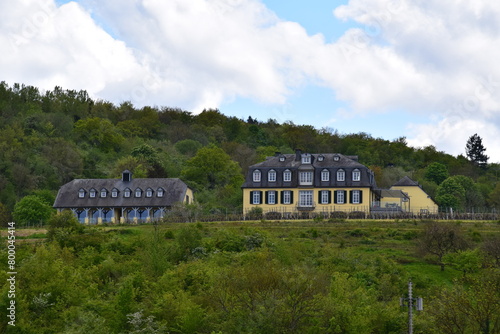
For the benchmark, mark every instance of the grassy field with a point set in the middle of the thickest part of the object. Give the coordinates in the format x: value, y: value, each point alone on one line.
x: 315, y: 276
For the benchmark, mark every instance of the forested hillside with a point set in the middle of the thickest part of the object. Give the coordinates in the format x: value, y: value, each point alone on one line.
x: 49, y: 138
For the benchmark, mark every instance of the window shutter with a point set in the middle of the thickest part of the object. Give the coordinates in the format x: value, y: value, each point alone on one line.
x: 282, y: 196
x: 267, y: 197
x: 251, y: 197
x: 360, y: 196
x: 319, y: 196
x: 350, y: 196
x: 291, y: 197
x: 335, y: 196
x: 260, y: 197
x: 329, y: 197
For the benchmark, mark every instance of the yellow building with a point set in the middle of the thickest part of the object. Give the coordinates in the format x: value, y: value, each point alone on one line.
x: 418, y: 200
x: 290, y: 184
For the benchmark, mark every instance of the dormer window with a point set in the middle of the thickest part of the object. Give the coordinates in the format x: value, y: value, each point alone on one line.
x: 256, y: 176
x: 336, y: 158
x: 306, y: 158
x: 114, y: 193
x: 104, y: 193
x: 271, y: 176
x: 81, y: 193
x: 127, y: 193
x: 160, y: 192
x: 282, y: 158
x: 356, y: 175
x: 325, y: 175
x: 341, y: 175
x: 93, y: 193
x: 138, y: 192
x: 321, y: 158
x: 149, y: 192
x: 287, y: 176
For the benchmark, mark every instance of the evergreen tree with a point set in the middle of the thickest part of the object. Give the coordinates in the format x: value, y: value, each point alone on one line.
x: 475, y: 151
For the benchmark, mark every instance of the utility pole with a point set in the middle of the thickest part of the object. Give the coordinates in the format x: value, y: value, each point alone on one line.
x: 411, y: 302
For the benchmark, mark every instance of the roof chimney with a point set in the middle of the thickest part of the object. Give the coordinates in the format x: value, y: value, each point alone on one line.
x: 126, y: 176
x: 298, y: 154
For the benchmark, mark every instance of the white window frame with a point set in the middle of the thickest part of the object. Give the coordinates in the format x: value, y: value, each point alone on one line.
x: 93, y: 193
x: 287, y: 176
x: 325, y: 175
x: 271, y: 197
x: 356, y: 175
x: 257, y: 175
x: 149, y: 192
x: 340, y: 197
x: 127, y: 193
x: 160, y: 192
x: 256, y: 197
x: 341, y: 175
x: 81, y: 193
x: 306, y: 158
x: 306, y: 198
x: 356, y: 197
x: 114, y: 193
x: 287, y: 197
x: 138, y: 193
x: 271, y: 176
x: 306, y: 178
x: 104, y: 193
x: 324, y: 196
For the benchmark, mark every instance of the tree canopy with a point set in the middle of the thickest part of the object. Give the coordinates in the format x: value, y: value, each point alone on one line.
x: 50, y: 138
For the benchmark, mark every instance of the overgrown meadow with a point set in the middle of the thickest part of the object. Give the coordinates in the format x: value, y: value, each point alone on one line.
x: 320, y: 276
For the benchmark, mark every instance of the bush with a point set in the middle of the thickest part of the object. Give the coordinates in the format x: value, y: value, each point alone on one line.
x: 357, y: 215
x: 273, y: 215
x: 254, y: 214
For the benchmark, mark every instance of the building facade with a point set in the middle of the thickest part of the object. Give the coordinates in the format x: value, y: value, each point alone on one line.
x: 322, y: 183
x: 291, y: 184
x: 95, y: 201
x: 419, y: 202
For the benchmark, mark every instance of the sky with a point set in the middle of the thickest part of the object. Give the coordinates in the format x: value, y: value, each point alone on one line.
x: 420, y: 69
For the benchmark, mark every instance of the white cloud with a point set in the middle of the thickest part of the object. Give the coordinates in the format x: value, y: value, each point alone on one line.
x: 435, y: 59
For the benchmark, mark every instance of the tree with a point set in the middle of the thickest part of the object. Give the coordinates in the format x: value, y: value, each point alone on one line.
x: 99, y: 132
x: 475, y: 309
x: 439, y: 239
x: 31, y: 210
x: 458, y: 192
x: 475, y: 151
x: 211, y: 167
x: 436, y: 172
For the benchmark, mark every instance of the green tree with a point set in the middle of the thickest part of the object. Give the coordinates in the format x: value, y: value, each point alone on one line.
x: 436, y: 172
x: 494, y: 196
x: 471, y: 309
x: 467, y: 261
x: 5, y: 216
x: 32, y: 210
x: 439, y: 239
x: 475, y: 151
x: 100, y: 133
x: 451, y: 194
x: 149, y: 157
x: 188, y: 146
x: 211, y: 167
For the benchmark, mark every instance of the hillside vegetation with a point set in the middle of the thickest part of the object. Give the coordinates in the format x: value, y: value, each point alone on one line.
x: 49, y: 138
x: 253, y: 277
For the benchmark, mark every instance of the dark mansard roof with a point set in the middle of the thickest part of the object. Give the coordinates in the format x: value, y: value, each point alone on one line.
x: 319, y: 162
x: 174, y: 190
